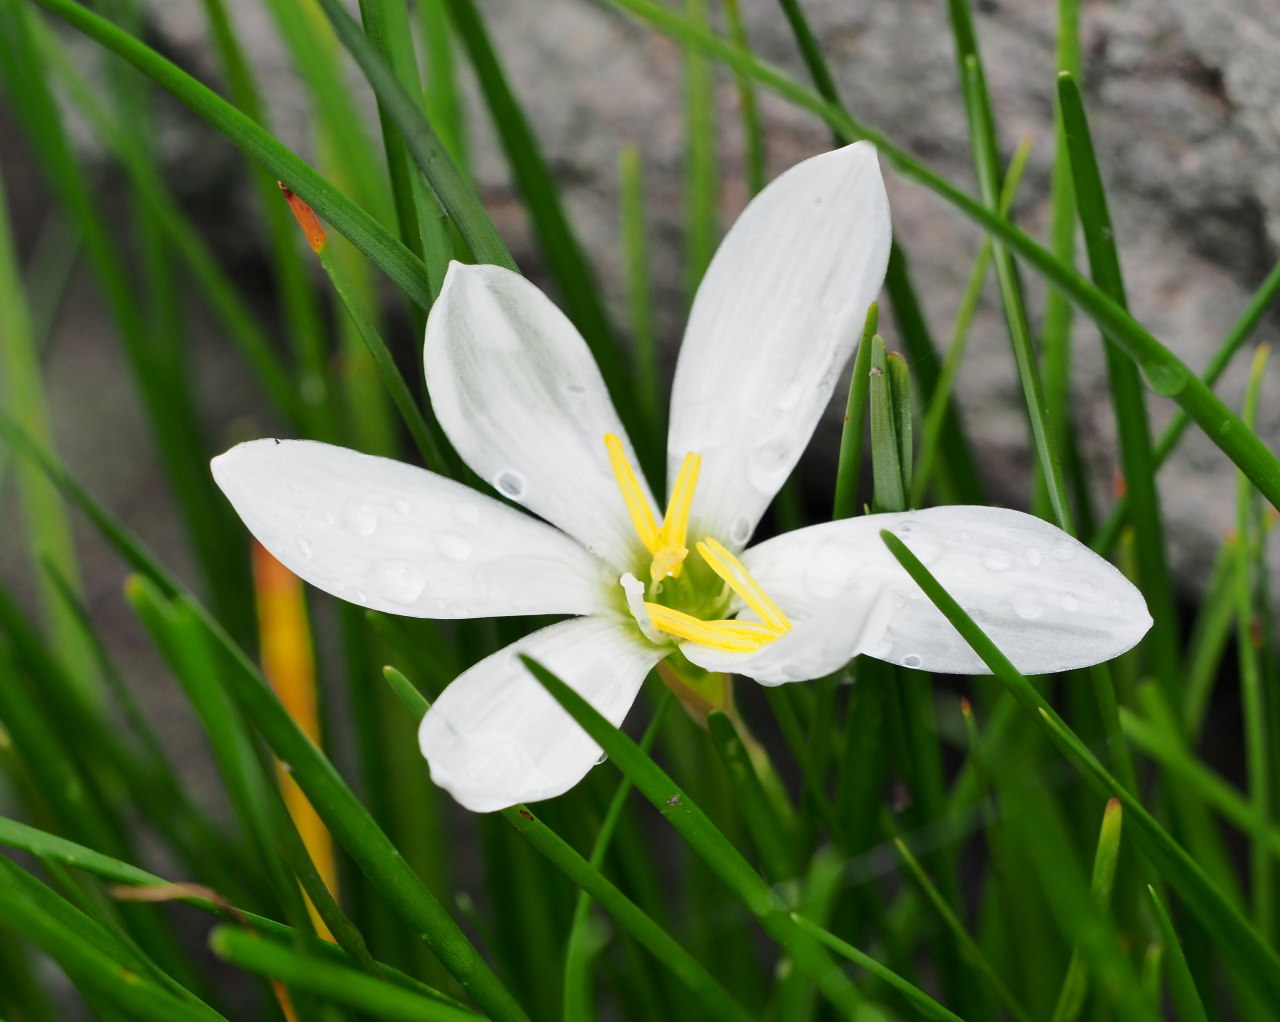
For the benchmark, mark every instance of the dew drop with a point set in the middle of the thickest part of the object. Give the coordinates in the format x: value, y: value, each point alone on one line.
x: 400, y: 505
x: 359, y: 596
x: 452, y: 546
x: 740, y: 530
x: 1027, y: 605
x: 995, y: 559
x: 467, y: 514
x: 1070, y: 603
x: 912, y: 660
x: 604, y: 758
x: 360, y: 518
x: 1033, y: 556
x: 330, y: 518
x: 305, y: 549
x: 576, y: 389
x: 510, y: 484
x: 398, y: 581
x: 768, y: 467
x: 906, y: 526
x: 899, y: 600
x: 1163, y: 378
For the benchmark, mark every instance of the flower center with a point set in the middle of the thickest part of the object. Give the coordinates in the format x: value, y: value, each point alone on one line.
x: 689, y: 605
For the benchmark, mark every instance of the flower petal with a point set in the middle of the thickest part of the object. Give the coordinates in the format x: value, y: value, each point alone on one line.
x: 1046, y: 600
x: 776, y: 318
x: 401, y: 539
x: 496, y: 737
x: 834, y: 634
x: 519, y: 395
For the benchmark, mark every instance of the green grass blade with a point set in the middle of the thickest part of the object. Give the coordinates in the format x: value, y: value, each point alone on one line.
x: 701, y: 174
x: 1075, y: 984
x: 454, y: 193
x: 331, y: 982
x: 849, y: 460
x: 1239, y: 943
x: 1128, y: 398
x: 344, y: 216
x: 565, y: 258
x: 1186, y: 998
x: 1163, y: 371
x: 708, y: 842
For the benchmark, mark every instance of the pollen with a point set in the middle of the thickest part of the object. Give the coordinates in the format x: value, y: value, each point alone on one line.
x: 667, y: 545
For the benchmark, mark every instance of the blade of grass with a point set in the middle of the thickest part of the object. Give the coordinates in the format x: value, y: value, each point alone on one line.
x: 332, y: 982
x: 635, y: 249
x: 1163, y: 372
x: 1240, y: 944
x: 849, y: 460
x: 1128, y: 398
x: 1182, y: 986
x: 1075, y: 985
x: 587, y: 876
x: 344, y: 216
x: 701, y: 175
x: 708, y: 842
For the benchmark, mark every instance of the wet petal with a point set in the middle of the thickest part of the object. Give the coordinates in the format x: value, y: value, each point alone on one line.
x: 1047, y: 601
x: 836, y: 632
x: 519, y: 395
x: 400, y: 539
x: 775, y: 320
x: 496, y: 737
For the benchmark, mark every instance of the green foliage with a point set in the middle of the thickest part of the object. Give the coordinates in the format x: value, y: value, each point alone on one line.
x: 880, y: 850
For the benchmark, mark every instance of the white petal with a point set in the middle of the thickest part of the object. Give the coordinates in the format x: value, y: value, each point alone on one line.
x: 519, y: 395
x: 773, y: 324
x: 496, y: 737
x: 837, y: 631
x: 401, y: 539
x: 1047, y: 601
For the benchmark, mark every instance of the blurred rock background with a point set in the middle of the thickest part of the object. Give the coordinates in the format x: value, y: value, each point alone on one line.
x: 1182, y: 97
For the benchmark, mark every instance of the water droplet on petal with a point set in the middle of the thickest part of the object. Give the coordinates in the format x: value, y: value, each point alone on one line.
x: 995, y: 559
x: 576, y: 389
x: 740, y: 530
x: 604, y: 757
x: 1070, y: 603
x: 305, y: 548
x: 1033, y: 556
x: 768, y: 467
x: 1027, y: 605
x: 360, y: 518
x: 912, y: 660
x: 906, y: 526
x: 452, y: 546
x: 899, y: 600
x: 359, y: 596
x: 510, y: 483
x: 400, y: 505
x: 330, y: 518
x: 467, y: 514
x: 397, y: 581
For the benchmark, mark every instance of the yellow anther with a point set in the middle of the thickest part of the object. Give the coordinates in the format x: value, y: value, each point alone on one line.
x: 731, y: 636
x: 633, y: 494
x: 675, y: 524
x: 737, y: 578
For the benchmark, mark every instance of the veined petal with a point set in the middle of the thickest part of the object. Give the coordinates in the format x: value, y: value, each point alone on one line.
x: 836, y: 632
x: 774, y: 322
x: 1046, y: 600
x: 400, y: 539
x: 496, y: 737
x: 517, y: 391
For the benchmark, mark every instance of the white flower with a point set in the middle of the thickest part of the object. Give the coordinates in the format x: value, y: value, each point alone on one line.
x: 514, y: 387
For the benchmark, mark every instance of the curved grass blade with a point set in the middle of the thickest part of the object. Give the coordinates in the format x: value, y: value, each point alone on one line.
x: 1182, y: 986
x: 331, y: 982
x: 852, y: 436
x: 1240, y: 944
x: 1163, y: 371
x: 708, y: 842
x: 343, y: 215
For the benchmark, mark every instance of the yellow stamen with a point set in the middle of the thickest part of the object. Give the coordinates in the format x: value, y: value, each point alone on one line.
x: 675, y: 524
x: 736, y: 577
x: 633, y: 494
x: 732, y: 636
